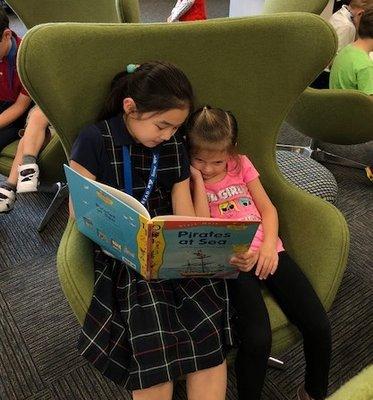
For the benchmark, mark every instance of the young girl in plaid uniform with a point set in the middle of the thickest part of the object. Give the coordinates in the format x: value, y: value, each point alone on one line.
x: 145, y: 334
x: 227, y: 185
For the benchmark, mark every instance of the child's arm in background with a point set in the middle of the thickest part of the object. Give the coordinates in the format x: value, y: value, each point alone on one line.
x: 13, y: 112
x: 201, y: 205
x: 180, y: 8
x: 82, y: 171
x: 268, y: 256
x: 182, y: 203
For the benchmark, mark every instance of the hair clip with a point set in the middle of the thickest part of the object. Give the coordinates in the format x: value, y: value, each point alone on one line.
x: 131, y: 68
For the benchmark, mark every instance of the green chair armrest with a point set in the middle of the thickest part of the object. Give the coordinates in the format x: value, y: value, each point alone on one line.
x: 75, y: 269
x: 316, y: 235
x: 334, y: 115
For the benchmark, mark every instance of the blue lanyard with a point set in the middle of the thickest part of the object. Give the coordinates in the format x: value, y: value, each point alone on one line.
x: 11, y: 62
x: 127, y: 173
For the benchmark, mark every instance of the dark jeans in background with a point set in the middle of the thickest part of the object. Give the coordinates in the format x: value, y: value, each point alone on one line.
x: 322, y: 81
x: 9, y: 133
x: 298, y: 300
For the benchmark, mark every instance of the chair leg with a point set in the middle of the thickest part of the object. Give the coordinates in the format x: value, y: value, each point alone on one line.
x: 61, y: 193
x: 276, y: 363
x: 303, y: 150
x: 323, y: 156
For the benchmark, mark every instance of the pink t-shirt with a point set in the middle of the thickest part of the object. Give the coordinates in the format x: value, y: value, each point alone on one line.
x: 230, y: 198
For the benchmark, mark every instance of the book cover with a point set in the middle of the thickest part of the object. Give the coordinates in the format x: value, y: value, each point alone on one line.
x: 165, y: 247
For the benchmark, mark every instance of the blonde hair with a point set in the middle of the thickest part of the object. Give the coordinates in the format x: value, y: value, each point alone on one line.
x: 212, y: 129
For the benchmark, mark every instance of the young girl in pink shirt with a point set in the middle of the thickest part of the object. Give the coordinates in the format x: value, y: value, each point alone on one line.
x: 227, y: 185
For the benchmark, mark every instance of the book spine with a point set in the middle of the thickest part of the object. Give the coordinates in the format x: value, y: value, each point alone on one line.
x: 149, y: 250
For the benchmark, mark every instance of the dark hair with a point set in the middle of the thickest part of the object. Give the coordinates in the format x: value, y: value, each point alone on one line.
x: 212, y: 129
x: 365, y: 30
x: 154, y: 86
x: 4, y: 21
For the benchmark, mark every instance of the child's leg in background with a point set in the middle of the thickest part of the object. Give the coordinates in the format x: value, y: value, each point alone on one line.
x: 208, y: 384
x: 298, y: 300
x: 34, y: 138
x: 35, y: 132
x: 253, y: 331
x: 24, y: 173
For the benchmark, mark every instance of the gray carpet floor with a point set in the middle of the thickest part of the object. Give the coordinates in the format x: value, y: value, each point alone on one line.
x: 38, y: 333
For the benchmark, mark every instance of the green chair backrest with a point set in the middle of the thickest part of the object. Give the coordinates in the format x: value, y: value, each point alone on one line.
x: 334, y: 115
x: 278, y: 6
x: 243, y: 65
x: 35, y: 12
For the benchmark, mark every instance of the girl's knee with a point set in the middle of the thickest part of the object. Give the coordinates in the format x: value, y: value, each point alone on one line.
x: 256, y: 341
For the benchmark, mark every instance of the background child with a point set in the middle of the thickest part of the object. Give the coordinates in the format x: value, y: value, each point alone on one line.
x: 346, y: 21
x: 144, y: 334
x: 24, y: 174
x: 233, y: 190
x: 188, y: 10
x: 353, y: 68
x: 14, y: 100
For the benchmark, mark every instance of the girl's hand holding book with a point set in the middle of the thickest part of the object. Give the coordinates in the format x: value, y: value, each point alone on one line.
x: 245, y: 261
x: 267, y: 260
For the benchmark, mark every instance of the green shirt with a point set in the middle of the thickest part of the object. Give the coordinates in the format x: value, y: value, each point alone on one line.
x: 352, y: 69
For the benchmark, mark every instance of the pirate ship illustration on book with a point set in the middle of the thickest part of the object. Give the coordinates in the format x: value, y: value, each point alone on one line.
x: 199, y: 267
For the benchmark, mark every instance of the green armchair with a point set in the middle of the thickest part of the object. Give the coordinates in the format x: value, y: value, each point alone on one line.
x: 278, y: 6
x: 34, y: 12
x: 229, y: 65
x: 334, y: 116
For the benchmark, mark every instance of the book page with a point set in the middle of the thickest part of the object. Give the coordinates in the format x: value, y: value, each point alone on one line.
x: 198, y: 248
x: 125, y: 198
x: 110, y: 222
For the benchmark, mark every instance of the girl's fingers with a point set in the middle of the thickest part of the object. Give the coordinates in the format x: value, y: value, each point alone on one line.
x: 264, y: 269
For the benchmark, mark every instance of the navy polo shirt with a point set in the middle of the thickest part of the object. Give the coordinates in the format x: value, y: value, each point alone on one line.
x: 90, y: 152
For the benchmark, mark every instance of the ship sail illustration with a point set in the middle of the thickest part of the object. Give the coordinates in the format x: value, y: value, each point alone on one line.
x: 198, y: 267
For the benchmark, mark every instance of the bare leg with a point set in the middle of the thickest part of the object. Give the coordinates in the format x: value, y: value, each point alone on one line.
x: 13, y: 175
x: 34, y: 135
x: 208, y: 384
x: 31, y: 143
x: 157, y: 392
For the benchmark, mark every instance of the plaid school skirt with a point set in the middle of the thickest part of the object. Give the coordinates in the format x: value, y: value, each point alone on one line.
x: 139, y: 333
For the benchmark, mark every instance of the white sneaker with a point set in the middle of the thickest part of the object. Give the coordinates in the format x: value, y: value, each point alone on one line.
x: 7, y: 199
x: 28, y: 178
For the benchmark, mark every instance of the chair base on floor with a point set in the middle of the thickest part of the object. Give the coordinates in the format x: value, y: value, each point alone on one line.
x: 303, y: 150
x: 61, y: 193
x: 313, y: 151
x: 276, y: 363
x: 324, y: 156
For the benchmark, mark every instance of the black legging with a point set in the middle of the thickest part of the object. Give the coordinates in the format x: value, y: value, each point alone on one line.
x: 299, y: 302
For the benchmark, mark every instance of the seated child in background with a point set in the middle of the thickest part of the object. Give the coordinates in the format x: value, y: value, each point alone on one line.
x: 24, y: 174
x: 227, y: 185
x: 353, y: 68
x: 188, y: 10
x: 346, y: 21
x: 14, y: 100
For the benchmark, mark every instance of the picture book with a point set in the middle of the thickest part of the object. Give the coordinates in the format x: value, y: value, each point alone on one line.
x: 164, y: 247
